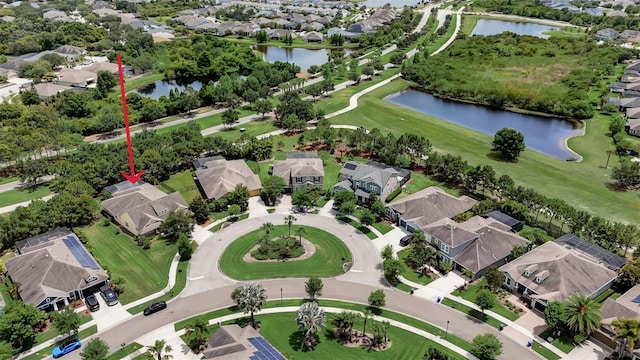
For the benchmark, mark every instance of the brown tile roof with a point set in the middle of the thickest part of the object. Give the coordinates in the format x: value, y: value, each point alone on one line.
x: 430, y: 205
x: 221, y: 177
x: 570, y: 271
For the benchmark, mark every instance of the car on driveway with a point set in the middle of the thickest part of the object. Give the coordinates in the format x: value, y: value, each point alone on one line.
x: 66, y: 347
x: 92, y: 303
x: 155, y: 307
x: 405, y: 240
x: 108, y: 295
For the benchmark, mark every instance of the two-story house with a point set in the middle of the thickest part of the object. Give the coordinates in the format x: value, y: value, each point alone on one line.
x: 372, y: 177
x: 300, y: 169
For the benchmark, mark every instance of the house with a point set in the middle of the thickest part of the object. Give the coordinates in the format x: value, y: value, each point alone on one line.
x: 475, y: 244
x: 632, y: 113
x: 8, y: 18
x: 514, y: 225
x: 76, y: 78
x: 616, y: 13
x: 232, y: 342
x: 630, y: 36
x: 8, y: 73
x: 372, y: 177
x: 218, y: 177
x: 47, y: 90
x: 558, y: 269
x: 633, y: 126
x: 617, y: 87
x: 140, y: 208
x: 631, y: 90
x: 57, y: 15
x: 345, y: 34
x: 624, y: 103
x: 299, y: 170
x: 314, y: 26
x: 280, y: 34
x: 425, y: 207
x: 70, y: 52
x: 607, y: 34
x: 54, y: 269
x: 313, y: 36
x: 626, y: 306
x: 102, y: 66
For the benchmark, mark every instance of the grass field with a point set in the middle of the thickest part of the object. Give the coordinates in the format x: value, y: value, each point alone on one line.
x: 544, y: 352
x: 472, y: 291
x: 182, y: 182
x: 408, y: 273
x: 327, y: 261
x: 145, y: 271
x: 564, y: 342
x: 471, y: 312
x: 131, y: 84
x: 581, y: 184
x: 127, y: 350
x: 181, y: 282
x: 282, y: 332
x: 46, y: 352
x: 17, y: 196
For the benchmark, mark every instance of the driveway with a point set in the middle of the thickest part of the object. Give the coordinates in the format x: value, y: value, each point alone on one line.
x: 108, y: 316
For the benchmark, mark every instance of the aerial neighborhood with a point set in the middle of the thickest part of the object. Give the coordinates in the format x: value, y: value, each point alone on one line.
x: 437, y: 180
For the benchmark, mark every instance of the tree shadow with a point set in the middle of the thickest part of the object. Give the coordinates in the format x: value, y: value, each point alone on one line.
x: 297, y: 343
x: 615, y: 186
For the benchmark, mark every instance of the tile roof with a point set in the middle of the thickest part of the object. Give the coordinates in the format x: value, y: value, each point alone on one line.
x: 298, y: 167
x: 431, y: 204
x: 48, y: 89
x: 490, y: 245
x: 221, y: 176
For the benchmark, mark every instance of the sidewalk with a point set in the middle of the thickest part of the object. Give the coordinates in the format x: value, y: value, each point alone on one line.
x: 10, y: 208
x: 46, y: 344
x: 173, y: 271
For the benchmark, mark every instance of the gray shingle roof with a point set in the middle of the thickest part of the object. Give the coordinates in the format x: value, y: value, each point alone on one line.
x: 430, y: 205
x: 490, y: 245
x: 220, y: 177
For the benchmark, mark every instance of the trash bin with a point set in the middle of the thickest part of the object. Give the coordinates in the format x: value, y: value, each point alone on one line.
x: 501, y: 326
x: 438, y: 299
x: 530, y: 343
x: 411, y: 292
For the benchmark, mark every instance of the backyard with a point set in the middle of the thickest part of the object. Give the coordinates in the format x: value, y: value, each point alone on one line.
x: 145, y: 271
x: 182, y: 182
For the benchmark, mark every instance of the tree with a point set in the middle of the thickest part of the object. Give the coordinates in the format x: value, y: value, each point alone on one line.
x: 230, y: 117
x: 368, y: 71
x: 397, y: 58
x: 377, y: 299
x: 96, y: 349
x: 250, y: 298
x: 106, y: 81
x: 178, y: 222
x: 310, y: 319
x: 188, y: 99
x: 509, y: 143
x: 367, y: 218
x: 67, y: 321
x: 185, y: 247
x: 6, y: 350
x: 313, y: 288
x: 200, y: 209
x: 554, y: 315
x: 517, y: 250
x: 485, y: 300
x: 629, y: 274
x: 348, y: 208
x: 239, y: 196
x: 627, y: 174
x: 433, y: 353
x: 160, y: 350
x: 314, y: 90
x: 262, y: 37
x: 616, y: 125
x: 392, y: 268
x: 486, y: 347
x: 272, y: 188
x: 627, y: 330
x: 583, y: 314
x: 30, y: 97
x: 17, y: 324
x: 387, y: 252
x: 299, y: 232
x: 289, y: 220
x: 263, y: 107
x: 354, y: 75
x: 344, y: 321
x: 336, y: 40
x: 494, y: 277
x: 341, y: 197
x: 200, y: 335
x: 233, y: 211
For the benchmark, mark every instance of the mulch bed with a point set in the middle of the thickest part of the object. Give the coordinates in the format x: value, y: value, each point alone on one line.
x: 361, y: 340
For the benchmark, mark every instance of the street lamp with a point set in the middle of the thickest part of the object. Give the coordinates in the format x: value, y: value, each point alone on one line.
x: 446, y: 330
x: 281, y: 295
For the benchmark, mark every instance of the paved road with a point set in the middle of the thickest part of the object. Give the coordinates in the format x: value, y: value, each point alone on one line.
x: 19, y: 184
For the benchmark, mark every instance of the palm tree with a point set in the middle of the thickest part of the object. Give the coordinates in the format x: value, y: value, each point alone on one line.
x: 300, y: 231
x: 583, y: 314
x: 311, y: 319
x: 366, y: 316
x: 267, y: 227
x: 627, y: 330
x: 160, y: 350
x: 250, y: 298
x: 199, y: 330
x: 289, y: 220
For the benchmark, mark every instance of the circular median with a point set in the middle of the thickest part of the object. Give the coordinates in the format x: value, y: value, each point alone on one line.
x: 328, y: 260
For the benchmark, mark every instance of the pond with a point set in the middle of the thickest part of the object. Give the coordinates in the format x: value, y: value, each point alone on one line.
x: 299, y: 56
x: 394, y: 3
x: 494, y: 27
x: 162, y: 87
x: 545, y: 135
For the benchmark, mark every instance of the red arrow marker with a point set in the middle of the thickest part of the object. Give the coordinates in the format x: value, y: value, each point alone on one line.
x: 133, y: 178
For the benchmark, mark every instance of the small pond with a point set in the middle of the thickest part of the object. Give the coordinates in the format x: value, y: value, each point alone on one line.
x: 494, y: 27
x: 545, y: 135
x: 299, y: 56
x: 162, y: 87
x: 394, y: 3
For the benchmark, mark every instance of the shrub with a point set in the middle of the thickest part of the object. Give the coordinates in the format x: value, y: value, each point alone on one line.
x: 393, y: 195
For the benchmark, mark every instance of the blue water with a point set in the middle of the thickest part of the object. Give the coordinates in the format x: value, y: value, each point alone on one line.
x: 162, y: 87
x: 299, y: 56
x: 545, y: 135
x: 494, y: 27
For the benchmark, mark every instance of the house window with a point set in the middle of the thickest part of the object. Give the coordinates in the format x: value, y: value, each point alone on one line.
x: 444, y: 247
x: 507, y: 281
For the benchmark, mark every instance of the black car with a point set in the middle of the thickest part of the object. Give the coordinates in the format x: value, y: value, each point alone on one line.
x: 155, y: 307
x: 108, y: 295
x: 405, y: 240
x: 92, y: 303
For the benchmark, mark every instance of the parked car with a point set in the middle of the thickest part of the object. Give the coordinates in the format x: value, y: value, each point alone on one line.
x: 66, y: 347
x: 405, y: 240
x: 155, y: 307
x: 108, y: 295
x: 92, y: 303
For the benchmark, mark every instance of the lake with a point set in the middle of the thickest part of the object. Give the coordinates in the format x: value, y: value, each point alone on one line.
x: 394, y: 3
x: 162, y: 87
x: 545, y: 135
x: 299, y: 56
x: 494, y: 27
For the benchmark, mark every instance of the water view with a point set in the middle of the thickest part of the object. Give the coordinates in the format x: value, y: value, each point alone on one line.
x: 545, y: 135
x: 394, y: 3
x: 494, y: 27
x: 163, y: 87
x: 301, y: 57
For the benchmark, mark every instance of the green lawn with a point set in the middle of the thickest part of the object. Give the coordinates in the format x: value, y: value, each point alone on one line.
x: 131, y: 84
x: 52, y: 332
x: 327, y: 261
x: 471, y: 312
x: 581, y: 184
x: 253, y: 128
x: 282, y: 332
x: 420, y: 181
x: 546, y: 353
x: 17, y: 196
x: 383, y: 227
x: 145, y: 271
x: 356, y: 224
x: 564, y: 342
x: 8, y: 179
x: 408, y: 273
x: 472, y: 291
x: 46, y: 352
x: 121, y: 353
x: 182, y: 182
x: 181, y: 282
